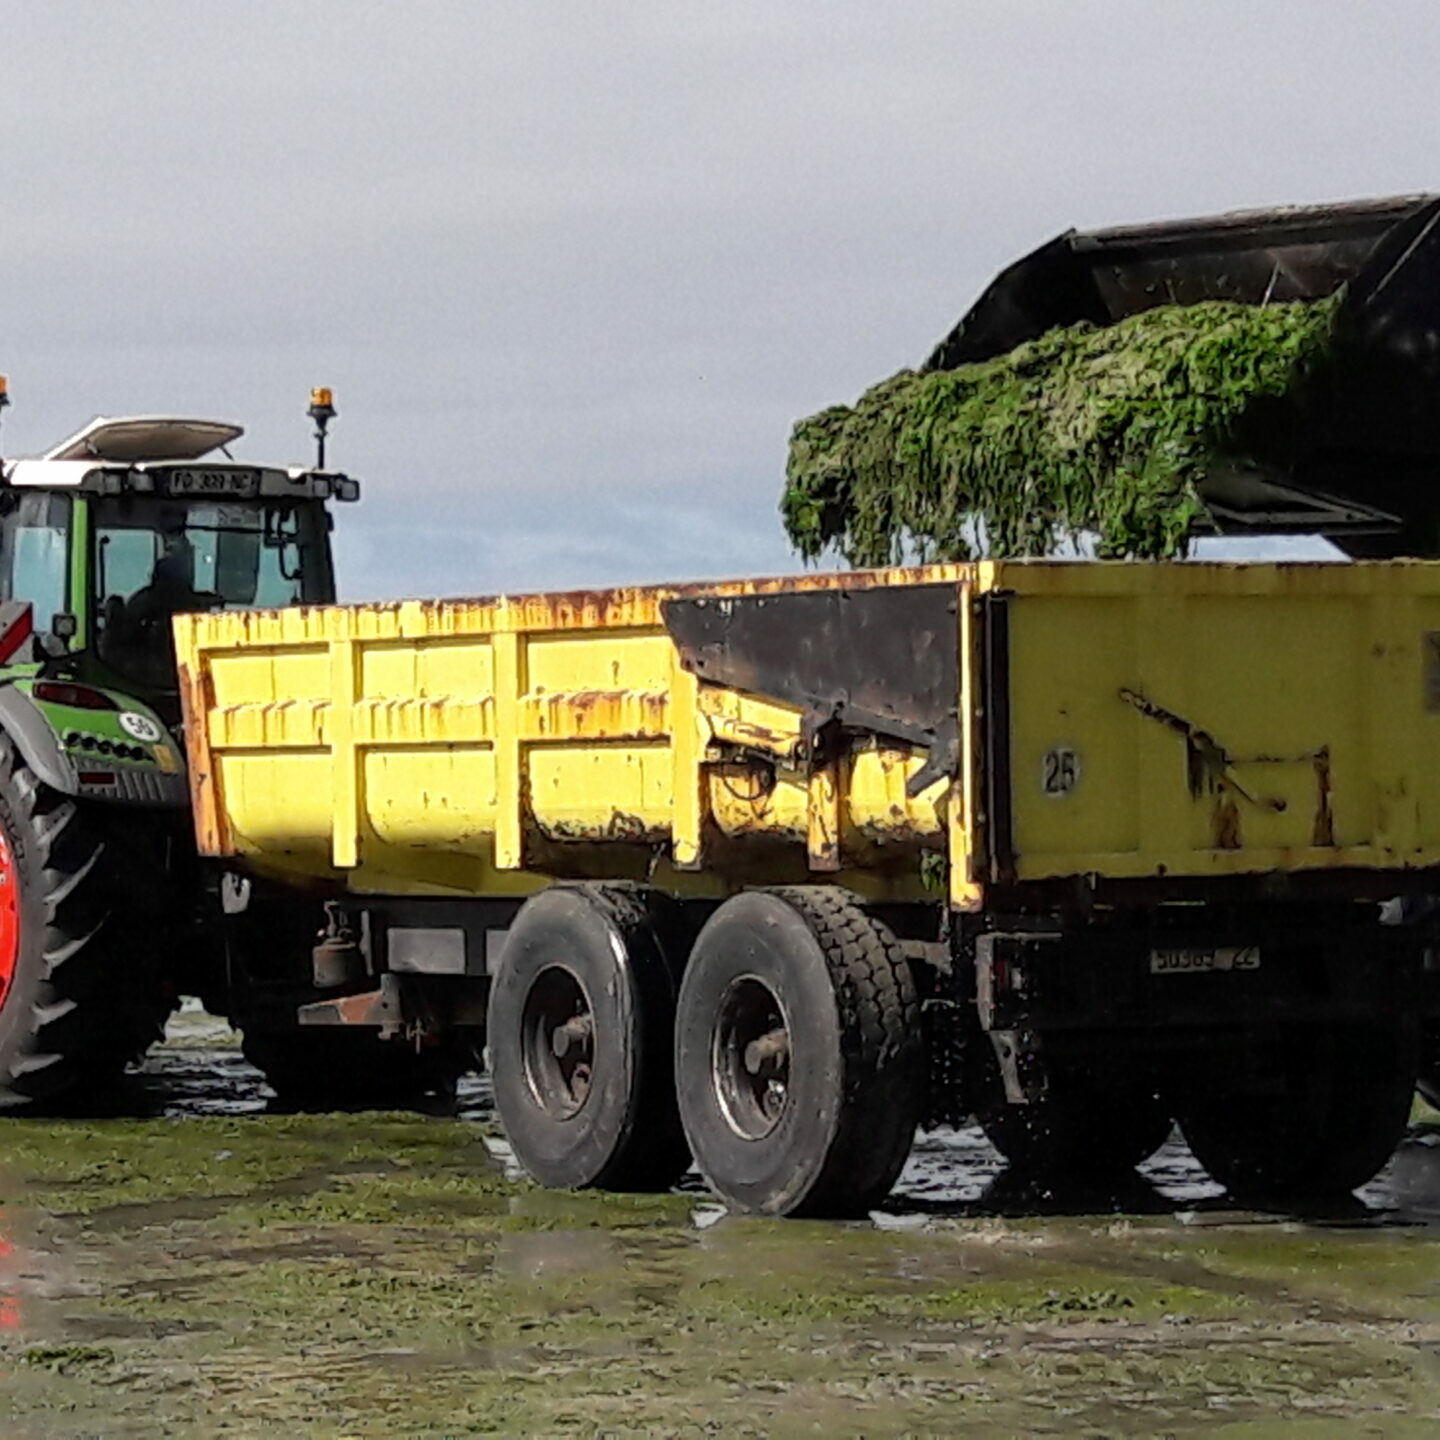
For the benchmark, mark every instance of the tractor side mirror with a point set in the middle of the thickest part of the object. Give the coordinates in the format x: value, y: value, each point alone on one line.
x: 55, y: 639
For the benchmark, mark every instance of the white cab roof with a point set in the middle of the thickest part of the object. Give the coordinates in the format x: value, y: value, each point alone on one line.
x: 46, y: 473
x: 130, y: 438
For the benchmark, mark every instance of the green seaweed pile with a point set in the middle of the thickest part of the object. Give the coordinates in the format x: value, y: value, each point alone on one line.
x: 1100, y: 431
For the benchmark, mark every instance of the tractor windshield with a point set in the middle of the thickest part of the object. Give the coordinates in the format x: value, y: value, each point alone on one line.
x: 155, y: 558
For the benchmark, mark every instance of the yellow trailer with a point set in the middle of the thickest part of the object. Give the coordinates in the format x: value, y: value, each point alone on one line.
x: 1076, y: 847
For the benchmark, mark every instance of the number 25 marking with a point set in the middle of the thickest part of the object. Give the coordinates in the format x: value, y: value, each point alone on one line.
x: 1061, y: 772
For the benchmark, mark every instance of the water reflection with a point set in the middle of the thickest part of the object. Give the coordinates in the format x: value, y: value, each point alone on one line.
x: 34, y: 1278
x: 1412, y: 1179
x: 950, y: 1172
x: 11, y: 1261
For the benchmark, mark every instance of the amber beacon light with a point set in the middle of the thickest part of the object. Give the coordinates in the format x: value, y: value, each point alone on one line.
x: 322, y: 412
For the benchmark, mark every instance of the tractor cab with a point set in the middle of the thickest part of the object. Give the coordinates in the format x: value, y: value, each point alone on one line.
x: 132, y: 521
x: 105, y: 912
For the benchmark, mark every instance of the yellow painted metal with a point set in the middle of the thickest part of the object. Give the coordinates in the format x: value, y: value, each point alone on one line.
x: 1222, y: 719
x: 483, y: 746
x: 1182, y: 720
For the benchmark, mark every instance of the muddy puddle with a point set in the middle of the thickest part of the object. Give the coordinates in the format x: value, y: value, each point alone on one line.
x: 199, y: 1265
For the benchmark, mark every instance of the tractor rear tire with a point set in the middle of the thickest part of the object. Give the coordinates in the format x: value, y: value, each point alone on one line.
x: 345, y: 1067
x: 81, y: 986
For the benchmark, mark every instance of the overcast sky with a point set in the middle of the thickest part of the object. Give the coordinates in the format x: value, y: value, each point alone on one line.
x: 573, y: 269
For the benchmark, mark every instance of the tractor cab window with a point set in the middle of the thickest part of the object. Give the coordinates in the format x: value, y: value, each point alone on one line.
x: 35, y: 551
x: 157, y: 558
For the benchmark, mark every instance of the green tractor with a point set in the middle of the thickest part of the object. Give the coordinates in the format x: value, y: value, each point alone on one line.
x: 105, y: 914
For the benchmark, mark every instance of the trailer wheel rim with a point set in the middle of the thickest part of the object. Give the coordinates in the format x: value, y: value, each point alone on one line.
x: 750, y: 1058
x: 9, y: 916
x: 557, y: 1042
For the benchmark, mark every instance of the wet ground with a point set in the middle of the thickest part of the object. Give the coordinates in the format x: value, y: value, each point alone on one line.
x: 206, y: 1267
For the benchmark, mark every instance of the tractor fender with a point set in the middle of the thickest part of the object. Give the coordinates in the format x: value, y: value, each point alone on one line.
x: 35, y: 738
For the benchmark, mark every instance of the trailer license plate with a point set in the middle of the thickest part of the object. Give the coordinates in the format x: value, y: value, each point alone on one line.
x: 1192, y: 962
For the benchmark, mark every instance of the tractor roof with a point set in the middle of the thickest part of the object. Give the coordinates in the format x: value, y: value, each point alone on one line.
x: 150, y: 454
x: 123, y: 440
x: 131, y: 438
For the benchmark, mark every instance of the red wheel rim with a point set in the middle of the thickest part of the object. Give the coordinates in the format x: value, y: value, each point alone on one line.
x: 9, y: 916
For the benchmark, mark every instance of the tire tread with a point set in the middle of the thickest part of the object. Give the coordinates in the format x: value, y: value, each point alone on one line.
x: 659, y: 1154
x: 881, y: 1045
x: 99, y: 1003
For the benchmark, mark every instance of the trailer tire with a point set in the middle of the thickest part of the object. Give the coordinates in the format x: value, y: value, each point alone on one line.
x: 1100, y: 1116
x: 348, y: 1067
x: 1429, y: 1081
x: 81, y: 992
x: 580, y: 1035
x: 1334, y: 1105
x: 799, y: 1059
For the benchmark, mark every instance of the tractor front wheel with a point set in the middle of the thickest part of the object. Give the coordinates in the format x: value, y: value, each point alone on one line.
x: 81, y: 994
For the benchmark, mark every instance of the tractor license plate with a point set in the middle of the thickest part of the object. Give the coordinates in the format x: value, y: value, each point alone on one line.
x: 1194, y: 962
x: 205, y: 481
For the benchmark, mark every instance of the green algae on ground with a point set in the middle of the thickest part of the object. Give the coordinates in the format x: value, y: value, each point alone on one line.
x: 62, y: 1358
x: 381, y: 1275
x: 1099, y: 430
x: 1381, y: 1274
x: 81, y: 1167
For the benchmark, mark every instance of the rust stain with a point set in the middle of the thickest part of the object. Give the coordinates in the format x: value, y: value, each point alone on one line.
x: 909, y: 834
x: 370, y: 1007
x: 1431, y: 679
x: 1208, y: 764
x: 620, y: 828
x: 196, y: 699
x: 823, y: 821
x: 747, y: 734
x: 1323, y: 833
x: 620, y: 607
x: 1206, y: 759
x: 1225, y: 823
x: 628, y: 827
x: 596, y: 714
x: 629, y: 607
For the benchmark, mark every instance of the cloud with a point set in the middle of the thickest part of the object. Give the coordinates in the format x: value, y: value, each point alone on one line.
x: 573, y: 270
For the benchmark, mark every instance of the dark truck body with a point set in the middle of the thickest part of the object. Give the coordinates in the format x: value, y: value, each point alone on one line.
x: 1358, y: 458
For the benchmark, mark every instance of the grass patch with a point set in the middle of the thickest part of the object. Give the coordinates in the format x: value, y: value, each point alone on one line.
x: 65, y: 1358
x: 80, y: 1168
